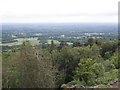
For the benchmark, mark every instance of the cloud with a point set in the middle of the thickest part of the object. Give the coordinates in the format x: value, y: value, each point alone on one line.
x: 59, y: 10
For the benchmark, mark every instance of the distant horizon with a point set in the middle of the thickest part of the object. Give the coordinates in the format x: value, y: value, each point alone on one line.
x: 59, y: 23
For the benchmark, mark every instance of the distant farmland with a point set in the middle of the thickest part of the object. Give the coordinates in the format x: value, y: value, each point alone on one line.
x: 33, y: 41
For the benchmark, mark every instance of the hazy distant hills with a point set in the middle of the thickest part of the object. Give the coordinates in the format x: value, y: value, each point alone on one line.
x: 81, y: 27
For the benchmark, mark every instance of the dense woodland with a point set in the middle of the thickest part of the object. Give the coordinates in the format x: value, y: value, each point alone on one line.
x: 93, y: 63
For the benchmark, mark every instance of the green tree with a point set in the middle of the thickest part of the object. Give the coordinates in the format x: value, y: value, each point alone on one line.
x: 115, y: 60
x: 95, y: 53
x: 98, y: 69
x: 52, y: 46
x: 62, y: 44
x: 98, y: 42
x: 77, y: 44
x: 68, y: 61
x: 91, y: 42
x: 107, y: 48
x: 25, y: 68
x: 84, y: 72
x: 108, y: 65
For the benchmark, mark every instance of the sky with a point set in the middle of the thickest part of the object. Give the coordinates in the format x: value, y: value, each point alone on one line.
x: 42, y: 11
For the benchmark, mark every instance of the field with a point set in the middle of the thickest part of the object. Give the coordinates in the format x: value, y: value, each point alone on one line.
x: 33, y: 42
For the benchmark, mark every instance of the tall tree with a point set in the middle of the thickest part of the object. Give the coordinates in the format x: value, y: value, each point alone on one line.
x: 84, y: 73
x: 91, y: 42
x: 52, y: 46
x: 36, y: 71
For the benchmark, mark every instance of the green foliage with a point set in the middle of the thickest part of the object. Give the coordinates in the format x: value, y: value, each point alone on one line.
x: 108, y: 55
x: 108, y: 65
x: 98, y: 42
x: 98, y: 69
x: 62, y: 44
x: 91, y: 42
x: 26, y: 69
x: 68, y: 61
x: 108, y: 48
x: 85, y: 52
x: 110, y: 76
x: 93, y: 69
x: 76, y: 44
x: 115, y: 60
x: 84, y: 72
x: 52, y: 46
x: 52, y: 66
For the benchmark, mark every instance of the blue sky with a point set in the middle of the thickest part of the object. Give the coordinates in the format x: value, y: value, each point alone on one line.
x: 22, y: 11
